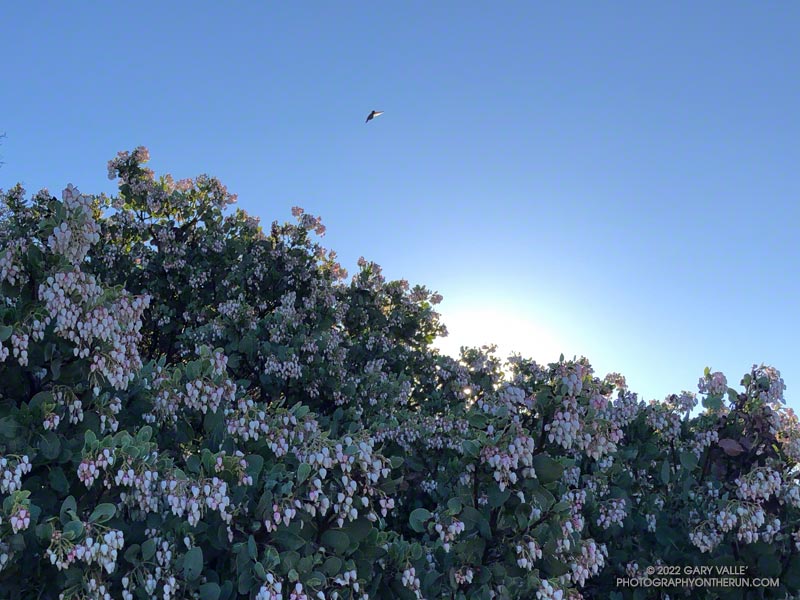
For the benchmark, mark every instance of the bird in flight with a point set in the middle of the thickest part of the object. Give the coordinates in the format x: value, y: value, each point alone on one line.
x: 373, y: 114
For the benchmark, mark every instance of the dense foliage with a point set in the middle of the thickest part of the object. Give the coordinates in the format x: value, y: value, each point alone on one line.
x: 194, y: 407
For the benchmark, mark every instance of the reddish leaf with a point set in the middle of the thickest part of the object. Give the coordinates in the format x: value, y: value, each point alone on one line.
x: 731, y: 447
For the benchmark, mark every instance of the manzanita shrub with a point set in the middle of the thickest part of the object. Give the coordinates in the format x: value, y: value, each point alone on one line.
x: 192, y: 406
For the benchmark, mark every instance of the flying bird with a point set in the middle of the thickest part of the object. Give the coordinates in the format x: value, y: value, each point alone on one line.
x: 373, y: 114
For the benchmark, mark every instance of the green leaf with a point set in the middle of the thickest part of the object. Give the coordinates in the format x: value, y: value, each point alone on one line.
x: 55, y: 368
x: 332, y: 566
x: 688, y: 460
x: 192, y: 370
x: 288, y: 539
x: 561, y: 507
x: 305, y: 565
x: 471, y: 448
x: 544, y: 499
x: 496, y: 497
x: 17, y: 543
x: 454, y: 506
x: 247, y: 344
x: 193, y: 463
x: 35, y: 257
x: 547, y: 469
x: 5, y: 332
x: 418, y: 518
x: 69, y: 509
x: 478, y: 420
x: 303, y: 471
x: 208, y: 460
x: 131, y: 552
x: 357, y: 530
x: 288, y: 560
x: 102, y: 513
x: 227, y: 589
x: 273, y: 558
x: 41, y: 398
x: 193, y: 563
x: 470, y: 516
x: 144, y: 434
x: 335, y: 539
x: 148, y: 550
x: 623, y: 478
x: 260, y: 571
x: 254, y: 465
x: 9, y: 428
x: 44, y: 531
x: 554, y: 566
x: 209, y: 591
x: 485, y: 529
x: 665, y: 472
x: 89, y: 438
x: 351, y: 450
x: 73, y: 530
x: 300, y: 410
x: 245, y: 582
x: 522, y: 514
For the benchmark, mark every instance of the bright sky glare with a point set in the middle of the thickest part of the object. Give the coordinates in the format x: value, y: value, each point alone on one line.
x: 618, y: 180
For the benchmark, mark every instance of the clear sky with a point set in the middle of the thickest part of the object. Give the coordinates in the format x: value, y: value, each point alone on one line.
x: 618, y: 180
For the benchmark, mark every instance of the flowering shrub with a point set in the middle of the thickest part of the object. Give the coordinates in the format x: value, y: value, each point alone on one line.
x: 194, y: 407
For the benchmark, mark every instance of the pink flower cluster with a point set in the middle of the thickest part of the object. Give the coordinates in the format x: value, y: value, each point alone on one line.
x: 72, y: 299
x: 566, y: 424
x: 715, y: 384
x: 612, y: 512
x: 74, y: 237
x: 518, y: 455
x: 20, y: 519
x: 192, y: 498
x: 90, y: 469
x: 10, y: 268
x: 410, y: 581
x: 448, y: 532
x: 157, y: 578
x: 13, y: 468
x: 588, y: 562
x: 272, y: 589
x: 528, y: 552
x: 142, y: 479
x: 759, y: 484
x: 664, y: 420
x: 432, y: 433
x: 775, y: 385
x: 308, y: 222
x: 102, y: 549
x: 547, y: 591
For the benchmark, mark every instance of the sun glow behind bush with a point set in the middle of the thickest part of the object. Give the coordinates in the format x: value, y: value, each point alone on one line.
x: 508, y: 328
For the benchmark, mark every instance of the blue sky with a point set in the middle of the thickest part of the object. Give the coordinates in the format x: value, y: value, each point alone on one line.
x: 611, y: 179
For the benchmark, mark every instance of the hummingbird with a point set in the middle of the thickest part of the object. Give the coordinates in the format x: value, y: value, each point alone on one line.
x: 373, y: 114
